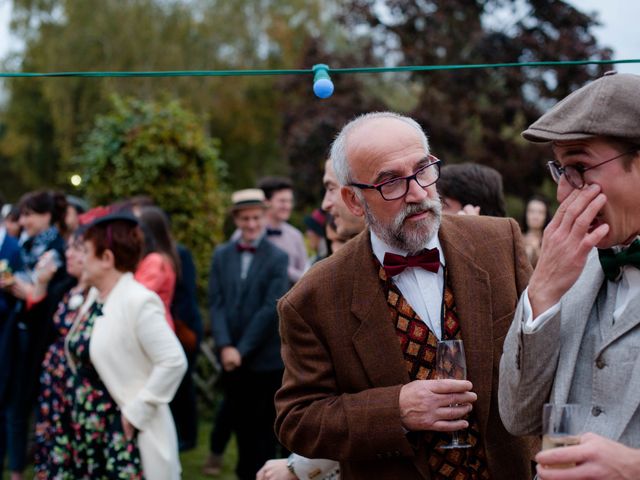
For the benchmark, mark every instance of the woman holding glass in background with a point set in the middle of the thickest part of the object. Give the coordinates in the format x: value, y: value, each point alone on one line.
x: 42, y: 220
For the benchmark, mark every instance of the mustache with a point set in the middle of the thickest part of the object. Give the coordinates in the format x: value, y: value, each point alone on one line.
x: 432, y: 206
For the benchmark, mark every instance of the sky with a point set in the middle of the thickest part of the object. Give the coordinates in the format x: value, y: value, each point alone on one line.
x: 619, y: 28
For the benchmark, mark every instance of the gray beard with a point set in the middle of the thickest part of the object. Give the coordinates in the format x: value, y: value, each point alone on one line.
x: 399, y: 235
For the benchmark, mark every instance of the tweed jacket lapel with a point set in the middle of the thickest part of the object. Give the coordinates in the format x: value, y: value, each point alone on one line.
x: 375, y: 339
x: 630, y: 321
x: 234, y: 268
x: 472, y: 294
x: 577, y: 304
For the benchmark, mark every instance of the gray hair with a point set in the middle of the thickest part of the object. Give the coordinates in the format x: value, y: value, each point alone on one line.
x: 338, y: 155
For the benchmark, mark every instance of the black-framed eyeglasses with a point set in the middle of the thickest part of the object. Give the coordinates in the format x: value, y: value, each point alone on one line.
x: 398, y: 187
x: 575, y: 173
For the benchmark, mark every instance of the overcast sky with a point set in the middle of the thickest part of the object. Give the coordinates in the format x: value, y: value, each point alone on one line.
x: 619, y: 31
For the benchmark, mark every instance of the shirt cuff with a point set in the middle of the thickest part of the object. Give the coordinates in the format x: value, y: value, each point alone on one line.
x: 530, y: 324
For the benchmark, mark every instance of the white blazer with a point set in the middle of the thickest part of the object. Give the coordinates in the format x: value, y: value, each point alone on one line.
x: 141, y: 363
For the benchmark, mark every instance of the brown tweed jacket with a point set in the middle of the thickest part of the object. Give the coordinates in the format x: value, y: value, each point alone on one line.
x: 344, y: 368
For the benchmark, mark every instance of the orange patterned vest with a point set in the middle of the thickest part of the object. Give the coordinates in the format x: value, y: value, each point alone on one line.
x: 419, y: 344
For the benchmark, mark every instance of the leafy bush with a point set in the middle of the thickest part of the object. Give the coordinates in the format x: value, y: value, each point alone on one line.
x: 162, y: 151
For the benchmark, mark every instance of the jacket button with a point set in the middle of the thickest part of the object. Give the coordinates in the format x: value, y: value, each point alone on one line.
x: 600, y: 363
x: 596, y: 411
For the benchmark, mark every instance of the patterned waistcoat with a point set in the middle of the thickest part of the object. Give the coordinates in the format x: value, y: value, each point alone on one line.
x: 419, y: 345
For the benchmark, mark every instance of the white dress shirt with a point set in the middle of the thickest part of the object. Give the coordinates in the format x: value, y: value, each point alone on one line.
x: 247, y: 257
x: 422, y: 289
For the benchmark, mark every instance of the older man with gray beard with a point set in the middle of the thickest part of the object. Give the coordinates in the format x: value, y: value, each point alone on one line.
x: 360, y: 330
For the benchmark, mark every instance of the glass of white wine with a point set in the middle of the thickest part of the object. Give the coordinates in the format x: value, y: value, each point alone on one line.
x: 562, y: 425
x: 451, y: 363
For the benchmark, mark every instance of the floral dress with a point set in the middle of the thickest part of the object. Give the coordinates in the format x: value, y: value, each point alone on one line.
x: 98, y: 445
x: 53, y: 416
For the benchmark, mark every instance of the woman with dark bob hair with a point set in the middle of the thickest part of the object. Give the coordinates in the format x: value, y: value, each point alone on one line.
x: 127, y: 365
x: 42, y: 220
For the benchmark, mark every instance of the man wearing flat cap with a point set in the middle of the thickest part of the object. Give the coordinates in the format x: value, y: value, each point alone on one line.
x: 247, y: 277
x: 575, y: 337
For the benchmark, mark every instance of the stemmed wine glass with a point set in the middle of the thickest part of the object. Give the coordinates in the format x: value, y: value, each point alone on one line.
x: 451, y: 363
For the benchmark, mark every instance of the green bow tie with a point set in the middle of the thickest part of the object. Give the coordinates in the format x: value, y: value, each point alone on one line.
x: 612, y: 263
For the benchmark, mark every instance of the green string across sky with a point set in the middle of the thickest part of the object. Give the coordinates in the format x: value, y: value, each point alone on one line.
x: 240, y: 73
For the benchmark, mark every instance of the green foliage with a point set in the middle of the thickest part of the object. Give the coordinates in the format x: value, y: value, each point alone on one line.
x: 46, y: 125
x: 159, y: 150
x: 274, y: 125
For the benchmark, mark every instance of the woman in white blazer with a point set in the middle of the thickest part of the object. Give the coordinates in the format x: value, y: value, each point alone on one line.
x: 125, y: 346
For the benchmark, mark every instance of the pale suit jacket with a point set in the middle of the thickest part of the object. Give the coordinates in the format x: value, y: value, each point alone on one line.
x: 141, y: 362
x: 543, y: 366
x: 344, y: 367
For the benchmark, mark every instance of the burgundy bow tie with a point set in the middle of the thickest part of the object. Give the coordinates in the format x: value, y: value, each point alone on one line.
x: 245, y: 248
x: 395, y: 264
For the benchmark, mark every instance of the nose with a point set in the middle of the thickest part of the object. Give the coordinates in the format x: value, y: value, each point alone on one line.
x: 415, y: 193
x: 564, y: 189
x: 327, y: 201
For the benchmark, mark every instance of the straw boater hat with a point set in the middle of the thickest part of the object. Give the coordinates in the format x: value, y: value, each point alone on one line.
x: 606, y: 107
x: 247, y: 198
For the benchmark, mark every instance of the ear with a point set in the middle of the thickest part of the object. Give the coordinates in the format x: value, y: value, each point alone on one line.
x: 352, y: 201
x: 108, y: 258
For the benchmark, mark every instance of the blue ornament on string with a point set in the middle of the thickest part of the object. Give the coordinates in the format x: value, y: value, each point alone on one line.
x: 322, y: 84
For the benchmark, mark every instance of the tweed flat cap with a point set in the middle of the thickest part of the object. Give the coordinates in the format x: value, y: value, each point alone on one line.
x: 608, y: 106
x: 247, y: 198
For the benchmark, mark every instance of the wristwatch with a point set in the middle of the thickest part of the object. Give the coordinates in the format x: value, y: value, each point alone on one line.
x: 290, y: 461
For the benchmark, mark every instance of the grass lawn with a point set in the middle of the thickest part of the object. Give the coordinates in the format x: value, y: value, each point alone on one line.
x: 192, y: 460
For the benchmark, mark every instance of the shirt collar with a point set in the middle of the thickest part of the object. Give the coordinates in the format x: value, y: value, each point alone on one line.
x: 255, y: 243
x: 379, y: 247
x: 620, y: 248
x: 3, y: 234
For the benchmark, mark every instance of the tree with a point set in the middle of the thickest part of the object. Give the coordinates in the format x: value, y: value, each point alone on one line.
x: 152, y: 35
x: 477, y: 115
x: 274, y: 125
x: 159, y: 150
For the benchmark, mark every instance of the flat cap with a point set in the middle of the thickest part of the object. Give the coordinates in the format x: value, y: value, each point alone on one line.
x: 247, y: 198
x: 608, y: 106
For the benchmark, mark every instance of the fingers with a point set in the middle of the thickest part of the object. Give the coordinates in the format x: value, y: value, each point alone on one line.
x: 572, y: 203
x: 453, y: 412
x: 449, y: 425
x: 436, y: 404
x: 577, y: 203
x: 564, y: 455
x: 547, y: 473
x: 449, y: 386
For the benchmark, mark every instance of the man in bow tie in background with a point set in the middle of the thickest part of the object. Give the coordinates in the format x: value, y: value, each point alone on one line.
x: 279, y: 200
x: 359, y: 330
x: 247, y: 278
x: 576, y: 334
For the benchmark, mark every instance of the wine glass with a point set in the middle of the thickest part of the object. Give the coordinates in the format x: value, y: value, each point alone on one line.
x: 451, y: 363
x: 562, y: 425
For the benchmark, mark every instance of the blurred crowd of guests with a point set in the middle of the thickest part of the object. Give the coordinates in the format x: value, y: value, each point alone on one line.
x: 101, y: 367
x: 98, y: 324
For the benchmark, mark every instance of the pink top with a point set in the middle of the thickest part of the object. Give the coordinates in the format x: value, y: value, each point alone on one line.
x: 157, y: 274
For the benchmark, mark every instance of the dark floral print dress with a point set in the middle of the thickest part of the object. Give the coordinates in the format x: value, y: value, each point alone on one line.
x: 53, y: 416
x: 98, y: 445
